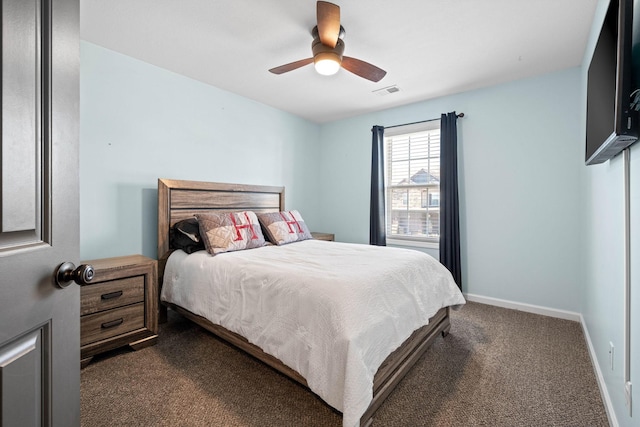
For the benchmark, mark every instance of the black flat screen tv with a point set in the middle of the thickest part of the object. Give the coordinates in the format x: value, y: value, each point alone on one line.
x: 611, y: 120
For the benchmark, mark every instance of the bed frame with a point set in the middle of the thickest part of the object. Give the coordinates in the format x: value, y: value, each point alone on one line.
x: 178, y: 199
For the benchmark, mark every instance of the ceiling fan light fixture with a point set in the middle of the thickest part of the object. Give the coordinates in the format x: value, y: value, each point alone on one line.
x: 327, y: 63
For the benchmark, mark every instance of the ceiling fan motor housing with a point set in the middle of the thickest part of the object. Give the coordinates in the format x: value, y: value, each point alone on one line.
x: 323, y: 52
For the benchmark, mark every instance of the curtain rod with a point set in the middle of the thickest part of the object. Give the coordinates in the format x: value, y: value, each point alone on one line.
x: 421, y: 121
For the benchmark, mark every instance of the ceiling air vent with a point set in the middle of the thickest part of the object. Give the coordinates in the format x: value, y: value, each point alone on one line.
x: 386, y: 90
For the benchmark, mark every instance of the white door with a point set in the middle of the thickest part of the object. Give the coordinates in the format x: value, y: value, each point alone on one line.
x: 39, y: 321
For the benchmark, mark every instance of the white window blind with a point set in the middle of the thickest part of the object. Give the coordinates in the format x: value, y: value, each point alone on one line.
x: 413, y: 182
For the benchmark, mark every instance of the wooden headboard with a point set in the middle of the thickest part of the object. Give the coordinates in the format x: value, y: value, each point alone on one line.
x: 178, y: 200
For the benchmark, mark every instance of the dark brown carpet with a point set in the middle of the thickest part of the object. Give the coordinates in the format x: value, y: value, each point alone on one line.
x: 497, y: 367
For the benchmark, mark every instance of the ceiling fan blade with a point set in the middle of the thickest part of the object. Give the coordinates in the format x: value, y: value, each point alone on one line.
x: 291, y: 66
x: 328, y: 15
x: 363, y: 69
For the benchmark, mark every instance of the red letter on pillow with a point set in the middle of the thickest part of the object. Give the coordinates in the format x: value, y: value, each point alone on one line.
x: 248, y: 225
x: 290, y: 222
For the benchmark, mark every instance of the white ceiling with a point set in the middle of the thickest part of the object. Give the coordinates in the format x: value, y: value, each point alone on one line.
x: 429, y: 48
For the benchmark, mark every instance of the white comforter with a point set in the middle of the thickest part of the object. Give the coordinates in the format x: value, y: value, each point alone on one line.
x: 331, y: 311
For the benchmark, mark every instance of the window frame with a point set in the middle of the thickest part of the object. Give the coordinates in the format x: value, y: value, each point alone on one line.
x: 411, y: 241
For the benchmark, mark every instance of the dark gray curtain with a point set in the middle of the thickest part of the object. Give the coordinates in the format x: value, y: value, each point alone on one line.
x: 449, y: 207
x: 377, y: 224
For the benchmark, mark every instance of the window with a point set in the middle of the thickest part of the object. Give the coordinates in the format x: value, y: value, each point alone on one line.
x: 413, y: 183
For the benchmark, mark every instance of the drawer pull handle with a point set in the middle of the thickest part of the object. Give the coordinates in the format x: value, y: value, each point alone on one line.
x: 112, y: 323
x: 112, y: 295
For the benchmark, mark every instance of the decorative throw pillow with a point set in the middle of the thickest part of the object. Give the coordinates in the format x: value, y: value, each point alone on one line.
x: 284, y: 227
x: 230, y: 231
x: 185, y: 235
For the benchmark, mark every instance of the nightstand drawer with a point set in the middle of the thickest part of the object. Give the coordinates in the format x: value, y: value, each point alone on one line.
x: 107, y: 324
x: 111, y: 294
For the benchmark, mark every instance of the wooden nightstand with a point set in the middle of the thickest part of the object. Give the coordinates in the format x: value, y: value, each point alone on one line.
x: 323, y: 236
x: 119, y: 306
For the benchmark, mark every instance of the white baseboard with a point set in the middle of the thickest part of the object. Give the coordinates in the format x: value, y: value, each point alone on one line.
x: 529, y: 308
x: 560, y: 314
x: 604, y: 393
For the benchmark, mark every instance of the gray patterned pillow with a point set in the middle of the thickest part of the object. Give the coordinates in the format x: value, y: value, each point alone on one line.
x: 230, y: 231
x: 284, y: 227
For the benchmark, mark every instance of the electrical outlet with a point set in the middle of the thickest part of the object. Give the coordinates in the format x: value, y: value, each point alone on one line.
x: 611, y: 348
x: 627, y: 395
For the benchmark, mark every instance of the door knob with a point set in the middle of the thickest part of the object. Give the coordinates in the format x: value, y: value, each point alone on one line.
x: 67, y: 273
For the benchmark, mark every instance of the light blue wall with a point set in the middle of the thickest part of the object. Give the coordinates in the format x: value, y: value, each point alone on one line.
x: 521, y: 201
x: 603, y: 290
x: 139, y: 123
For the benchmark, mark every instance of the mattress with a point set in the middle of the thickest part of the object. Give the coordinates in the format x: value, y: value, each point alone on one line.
x: 331, y: 311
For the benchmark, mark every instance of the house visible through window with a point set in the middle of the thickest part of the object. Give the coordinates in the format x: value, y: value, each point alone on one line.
x: 413, y: 183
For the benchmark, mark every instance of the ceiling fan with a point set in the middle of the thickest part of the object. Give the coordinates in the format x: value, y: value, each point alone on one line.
x: 328, y: 48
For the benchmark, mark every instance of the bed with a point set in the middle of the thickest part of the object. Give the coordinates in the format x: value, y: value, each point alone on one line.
x: 179, y: 200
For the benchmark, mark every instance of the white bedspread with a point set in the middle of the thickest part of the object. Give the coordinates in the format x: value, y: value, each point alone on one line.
x: 331, y: 311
